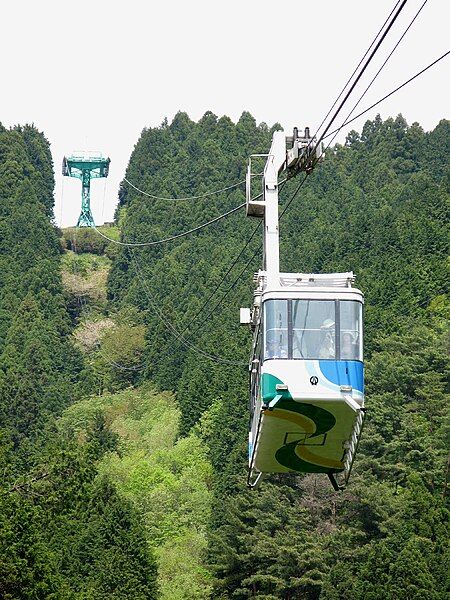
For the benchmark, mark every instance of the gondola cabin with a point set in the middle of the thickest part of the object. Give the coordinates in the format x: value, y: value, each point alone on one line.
x: 306, y: 368
x: 306, y: 376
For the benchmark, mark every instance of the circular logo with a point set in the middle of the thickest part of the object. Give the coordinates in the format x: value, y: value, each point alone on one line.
x: 313, y: 380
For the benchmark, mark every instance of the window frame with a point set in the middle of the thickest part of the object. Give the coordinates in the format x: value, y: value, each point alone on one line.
x: 290, y: 326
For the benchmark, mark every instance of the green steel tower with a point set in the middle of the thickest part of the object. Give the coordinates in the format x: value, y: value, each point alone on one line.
x: 85, y: 167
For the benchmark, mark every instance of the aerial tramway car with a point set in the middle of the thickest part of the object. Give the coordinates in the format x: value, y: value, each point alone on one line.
x: 306, y: 368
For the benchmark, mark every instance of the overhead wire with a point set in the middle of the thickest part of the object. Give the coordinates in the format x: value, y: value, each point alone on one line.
x: 205, y: 195
x: 168, y: 325
x: 366, y: 110
x: 140, y: 244
x: 250, y: 260
x: 179, y: 334
x: 380, y: 69
x: 178, y: 235
x: 217, y: 287
x: 230, y: 268
x: 356, y: 68
x: 336, y: 131
x: 362, y: 71
x: 173, y: 237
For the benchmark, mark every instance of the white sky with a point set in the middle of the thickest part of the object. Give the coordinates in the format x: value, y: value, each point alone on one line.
x: 92, y: 75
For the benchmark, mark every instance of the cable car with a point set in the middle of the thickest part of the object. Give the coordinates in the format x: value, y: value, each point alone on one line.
x: 306, y: 369
x: 306, y: 376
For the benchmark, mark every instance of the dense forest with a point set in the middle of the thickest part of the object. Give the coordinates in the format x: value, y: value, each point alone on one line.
x: 65, y: 531
x: 124, y: 416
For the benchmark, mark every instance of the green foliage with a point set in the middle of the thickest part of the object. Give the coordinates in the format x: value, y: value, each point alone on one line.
x: 265, y: 548
x: 61, y: 530
x: 379, y: 205
x: 407, y: 383
x: 165, y: 479
x: 84, y: 279
x: 37, y: 372
x: 149, y: 481
x: 85, y: 239
x: 120, y: 356
x: 61, y: 527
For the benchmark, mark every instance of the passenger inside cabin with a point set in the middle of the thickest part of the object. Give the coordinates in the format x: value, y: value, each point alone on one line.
x: 327, y: 346
x: 349, y: 350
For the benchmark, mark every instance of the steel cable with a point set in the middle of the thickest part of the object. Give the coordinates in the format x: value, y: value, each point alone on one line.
x: 173, y: 237
x: 205, y: 195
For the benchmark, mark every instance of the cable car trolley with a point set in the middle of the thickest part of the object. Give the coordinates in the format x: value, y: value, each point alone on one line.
x: 306, y: 369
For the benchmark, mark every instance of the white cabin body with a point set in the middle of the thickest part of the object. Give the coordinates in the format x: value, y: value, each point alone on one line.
x: 307, y: 374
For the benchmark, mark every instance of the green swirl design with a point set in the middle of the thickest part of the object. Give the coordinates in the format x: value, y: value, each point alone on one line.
x: 323, y: 420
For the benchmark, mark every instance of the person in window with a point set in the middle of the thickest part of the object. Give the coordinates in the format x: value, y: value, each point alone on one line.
x: 348, y: 347
x: 327, y: 346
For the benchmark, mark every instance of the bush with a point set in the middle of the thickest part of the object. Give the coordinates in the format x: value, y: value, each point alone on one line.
x: 84, y: 239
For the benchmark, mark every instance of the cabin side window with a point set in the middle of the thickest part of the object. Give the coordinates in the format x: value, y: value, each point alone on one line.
x: 350, y: 330
x: 276, y: 338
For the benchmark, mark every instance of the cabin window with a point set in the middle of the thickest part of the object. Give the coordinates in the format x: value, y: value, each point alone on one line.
x: 350, y: 330
x: 313, y: 329
x: 276, y: 339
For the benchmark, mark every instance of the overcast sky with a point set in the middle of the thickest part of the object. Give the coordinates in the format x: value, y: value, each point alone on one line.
x: 92, y: 75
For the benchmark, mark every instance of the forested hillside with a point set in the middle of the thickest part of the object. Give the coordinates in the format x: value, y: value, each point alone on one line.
x: 123, y: 376
x: 378, y: 205
x: 62, y: 524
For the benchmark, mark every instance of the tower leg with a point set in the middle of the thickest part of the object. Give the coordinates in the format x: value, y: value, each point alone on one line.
x: 86, y: 219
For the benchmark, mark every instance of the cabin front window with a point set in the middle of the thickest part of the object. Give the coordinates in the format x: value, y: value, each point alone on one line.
x: 313, y: 329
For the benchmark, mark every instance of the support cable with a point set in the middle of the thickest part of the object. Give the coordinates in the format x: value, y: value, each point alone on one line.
x: 207, y: 301
x: 230, y: 268
x: 356, y: 68
x: 363, y: 112
x: 362, y: 71
x: 347, y: 122
x: 171, y: 328
x: 379, y: 70
x: 173, y: 237
x: 233, y: 285
x: 205, y: 195
x: 216, y: 289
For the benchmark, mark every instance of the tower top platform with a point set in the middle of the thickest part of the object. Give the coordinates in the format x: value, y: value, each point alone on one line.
x: 94, y: 162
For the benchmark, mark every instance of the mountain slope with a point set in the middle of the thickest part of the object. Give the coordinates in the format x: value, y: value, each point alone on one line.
x: 379, y: 205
